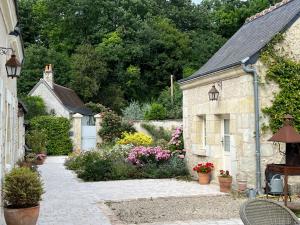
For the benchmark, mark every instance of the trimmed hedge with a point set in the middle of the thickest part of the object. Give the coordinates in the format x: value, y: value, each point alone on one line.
x: 57, y: 130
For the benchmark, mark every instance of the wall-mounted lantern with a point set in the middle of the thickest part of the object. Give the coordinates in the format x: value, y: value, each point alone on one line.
x: 213, y: 93
x: 13, y: 66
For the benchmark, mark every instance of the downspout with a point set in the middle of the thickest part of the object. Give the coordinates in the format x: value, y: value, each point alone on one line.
x: 252, y: 70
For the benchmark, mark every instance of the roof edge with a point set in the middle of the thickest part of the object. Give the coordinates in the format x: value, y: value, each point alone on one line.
x: 190, y: 78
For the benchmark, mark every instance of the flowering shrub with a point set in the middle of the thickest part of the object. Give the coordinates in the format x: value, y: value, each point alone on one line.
x: 176, y: 142
x: 204, y: 167
x: 117, y: 152
x: 136, y: 139
x: 142, y: 155
x: 224, y: 173
x: 113, y: 126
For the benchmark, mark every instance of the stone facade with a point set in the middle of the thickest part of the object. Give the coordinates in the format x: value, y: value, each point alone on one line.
x: 11, y: 124
x: 223, y: 131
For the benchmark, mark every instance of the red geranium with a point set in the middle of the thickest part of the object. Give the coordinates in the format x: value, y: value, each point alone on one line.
x: 204, y: 167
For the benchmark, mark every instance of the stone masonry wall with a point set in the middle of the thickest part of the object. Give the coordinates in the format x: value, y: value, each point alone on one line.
x: 236, y: 103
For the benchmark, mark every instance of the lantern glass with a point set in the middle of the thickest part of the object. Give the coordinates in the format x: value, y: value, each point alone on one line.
x: 213, y: 94
x: 13, y: 67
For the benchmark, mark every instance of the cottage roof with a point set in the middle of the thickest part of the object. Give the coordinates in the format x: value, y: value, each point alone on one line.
x: 249, y: 40
x: 70, y: 100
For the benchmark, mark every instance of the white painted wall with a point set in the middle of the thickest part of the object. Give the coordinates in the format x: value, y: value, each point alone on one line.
x: 51, y: 101
x: 9, y: 122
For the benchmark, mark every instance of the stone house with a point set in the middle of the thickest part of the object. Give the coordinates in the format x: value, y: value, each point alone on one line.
x: 224, y: 131
x: 59, y: 100
x: 64, y: 102
x: 11, y: 111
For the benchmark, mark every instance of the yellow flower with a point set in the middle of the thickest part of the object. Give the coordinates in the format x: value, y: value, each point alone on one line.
x: 136, y: 139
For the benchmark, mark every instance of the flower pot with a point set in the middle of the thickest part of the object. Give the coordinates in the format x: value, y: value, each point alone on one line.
x: 242, y: 185
x: 225, y: 184
x: 204, y: 178
x: 39, y: 161
x: 25, y: 216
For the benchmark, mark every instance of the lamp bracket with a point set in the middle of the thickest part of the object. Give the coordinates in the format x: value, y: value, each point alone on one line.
x: 4, y: 50
x: 219, y: 83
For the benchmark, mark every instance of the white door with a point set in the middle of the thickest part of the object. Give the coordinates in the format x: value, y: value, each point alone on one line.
x: 226, y: 144
x: 88, y: 138
x: 229, y: 151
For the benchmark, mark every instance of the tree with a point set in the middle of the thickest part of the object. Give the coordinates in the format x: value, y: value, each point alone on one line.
x: 36, y: 57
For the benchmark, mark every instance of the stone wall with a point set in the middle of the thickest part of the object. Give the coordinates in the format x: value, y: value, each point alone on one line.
x: 51, y: 101
x: 11, y: 127
x: 166, y: 124
x: 203, y: 119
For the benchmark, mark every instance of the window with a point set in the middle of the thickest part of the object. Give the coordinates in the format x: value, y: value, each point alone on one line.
x: 226, y: 135
x: 204, y: 134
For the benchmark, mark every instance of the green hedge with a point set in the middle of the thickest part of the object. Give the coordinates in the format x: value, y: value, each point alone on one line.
x: 57, y: 130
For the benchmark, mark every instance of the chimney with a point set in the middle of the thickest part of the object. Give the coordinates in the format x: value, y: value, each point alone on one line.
x: 48, y: 75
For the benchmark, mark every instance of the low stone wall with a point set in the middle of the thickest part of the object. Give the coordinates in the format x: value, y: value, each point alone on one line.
x: 166, y: 124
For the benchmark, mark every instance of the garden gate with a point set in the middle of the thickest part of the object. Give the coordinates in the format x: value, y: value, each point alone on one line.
x: 88, y: 137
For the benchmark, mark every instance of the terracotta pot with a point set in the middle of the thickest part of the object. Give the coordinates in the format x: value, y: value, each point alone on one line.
x: 25, y: 216
x: 204, y: 178
x: 242, y: 185
x: 225, y: 184
x: 40, y: 161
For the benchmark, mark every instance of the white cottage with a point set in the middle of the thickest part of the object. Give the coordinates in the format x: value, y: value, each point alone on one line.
x: 64, y: 102
x: 226, y: 131
x: 59, y: 100
x: 11, y: 112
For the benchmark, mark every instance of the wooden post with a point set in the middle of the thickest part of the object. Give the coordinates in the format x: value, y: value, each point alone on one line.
x: 172, y: 89
x: 285, y: 187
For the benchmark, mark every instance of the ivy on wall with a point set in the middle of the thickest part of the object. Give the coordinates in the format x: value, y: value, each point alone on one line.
x: 286, y: 73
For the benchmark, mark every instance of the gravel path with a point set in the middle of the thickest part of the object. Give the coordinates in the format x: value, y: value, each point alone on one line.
x: 69, y: 201
x: 176, y: 209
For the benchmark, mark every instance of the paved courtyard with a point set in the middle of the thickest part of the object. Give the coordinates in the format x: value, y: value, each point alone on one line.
x: 69, y: 201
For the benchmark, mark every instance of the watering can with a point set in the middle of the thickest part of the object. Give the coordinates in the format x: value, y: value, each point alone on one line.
x: 276, y: 184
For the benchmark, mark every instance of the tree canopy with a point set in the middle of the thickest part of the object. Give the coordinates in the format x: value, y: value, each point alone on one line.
x: 116, y: 51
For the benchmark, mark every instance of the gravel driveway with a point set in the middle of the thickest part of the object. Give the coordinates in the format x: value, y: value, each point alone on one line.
x: 176, y: 209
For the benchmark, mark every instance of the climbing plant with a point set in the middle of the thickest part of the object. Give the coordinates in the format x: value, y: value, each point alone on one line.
x: 286, y: 73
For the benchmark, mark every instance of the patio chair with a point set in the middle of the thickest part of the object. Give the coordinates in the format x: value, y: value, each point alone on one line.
x: 266, y: 212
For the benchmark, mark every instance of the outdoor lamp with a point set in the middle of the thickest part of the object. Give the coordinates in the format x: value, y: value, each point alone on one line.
x: 13, y: 66
x: 213, y: 94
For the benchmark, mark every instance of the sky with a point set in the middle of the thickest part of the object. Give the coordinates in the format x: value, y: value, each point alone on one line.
x: 196, y: 1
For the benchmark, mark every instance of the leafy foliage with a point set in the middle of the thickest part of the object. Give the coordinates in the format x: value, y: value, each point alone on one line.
x: 157, y: 133
x: 35, y: 106
x: 114, y: 52
x: 173, y: 106
x: 135, y: 139
x: 37, y: 140
x: 133, y: 111
x: 113, y: 126
x: 156, y: 112
x: 96, y: 107
x: 22, y: 188
x: 57, y: 131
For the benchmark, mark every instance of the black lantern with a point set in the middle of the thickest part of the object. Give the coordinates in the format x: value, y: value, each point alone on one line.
x: 213, y: 94
x: 13, y: 67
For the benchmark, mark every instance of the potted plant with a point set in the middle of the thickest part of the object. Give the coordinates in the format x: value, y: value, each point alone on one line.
x: 37, y: 140
x: 22, y: 192
x: 204, y: 172
x: 225, y: 181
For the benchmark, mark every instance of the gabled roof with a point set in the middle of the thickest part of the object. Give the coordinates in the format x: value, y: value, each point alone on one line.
x: 254, y: 35
x: 70, y: 100
x: 67, y: 97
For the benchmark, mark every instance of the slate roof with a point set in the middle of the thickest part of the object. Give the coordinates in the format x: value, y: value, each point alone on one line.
x: 258, y: 31
x: 70, y: 100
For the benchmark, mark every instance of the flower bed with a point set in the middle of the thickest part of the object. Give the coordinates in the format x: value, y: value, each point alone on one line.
x: 125, y: 160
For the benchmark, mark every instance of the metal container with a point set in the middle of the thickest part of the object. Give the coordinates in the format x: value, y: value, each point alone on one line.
x: 252, y: 193
x: 276, y: 184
